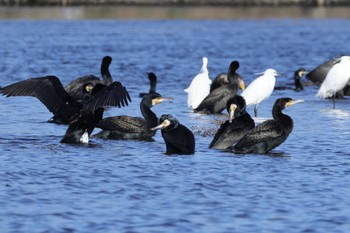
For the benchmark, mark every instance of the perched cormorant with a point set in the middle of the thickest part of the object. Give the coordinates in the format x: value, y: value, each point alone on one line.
x: 260, y: 89
x: 298, y: 85
x: 82, y: 117
x: 334, y: 78
x: 74, y: 87
x: 269, y: 134
x: 236, y: 127
x: 132, y: 128
x: 216, y: 101
x: 178, y: 138
x: 222, y: 80
x: 199, y: 87
x: 153, y: 84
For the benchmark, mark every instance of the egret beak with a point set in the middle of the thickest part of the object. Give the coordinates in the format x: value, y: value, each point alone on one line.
x: 160, y: 99
x: 163, y: 125
x: 290, y: 103
x: 233, y: 108
x: 241, y: 84
x: 336, y: 60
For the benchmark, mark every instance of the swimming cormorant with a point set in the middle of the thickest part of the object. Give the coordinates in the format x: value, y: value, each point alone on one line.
x: 178, y: 138
x: 199, y: 87
x: 298, y: 84
x: 153, y: 84
x: 216, y: 101
x: 82, y: 117
x: 132, y: 128
x: 269, y: 134
x: 260, y: 89
x: 74, y: 87
x: 236, y: 127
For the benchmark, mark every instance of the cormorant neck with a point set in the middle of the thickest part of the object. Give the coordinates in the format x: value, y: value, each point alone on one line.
x: 297, y: 83
x: 232, y: 78
x: 106, y: 75
x: 152, y: 88
x: 150, y: 117
x: 284, y: 119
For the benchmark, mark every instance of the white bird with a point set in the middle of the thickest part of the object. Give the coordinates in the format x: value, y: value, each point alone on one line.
x: 260, y: 89
x: 199, y: 87
x: 337, y: 78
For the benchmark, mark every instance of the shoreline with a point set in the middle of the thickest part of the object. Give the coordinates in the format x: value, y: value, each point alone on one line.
x: 171, y: 12
x: 178, y: 3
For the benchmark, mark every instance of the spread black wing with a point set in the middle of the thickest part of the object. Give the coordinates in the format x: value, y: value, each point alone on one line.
x: 49, y: 90
x: 113, y: 95
x: 319, y: 74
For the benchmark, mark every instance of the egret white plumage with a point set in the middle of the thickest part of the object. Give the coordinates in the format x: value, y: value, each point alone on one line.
x: 199, y: 87
x: 260, y: 89
x: 337, y: 78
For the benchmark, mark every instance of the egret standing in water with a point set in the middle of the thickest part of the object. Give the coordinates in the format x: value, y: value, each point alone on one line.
x: 260, y: 89
x: 337, y: 78
x: 199, y: 87
x: 269, y: 134
x: 178, y: 138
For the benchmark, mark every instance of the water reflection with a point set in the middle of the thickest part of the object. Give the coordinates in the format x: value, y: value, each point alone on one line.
x: 171, y: 12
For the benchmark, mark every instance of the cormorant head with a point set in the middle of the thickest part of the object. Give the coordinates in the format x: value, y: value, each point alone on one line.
x: 235, y: 106
x: 167, y: 122
x: 282, y: 103
x: 107, y: 60
x: 154, y: 99
x: 298, y: 74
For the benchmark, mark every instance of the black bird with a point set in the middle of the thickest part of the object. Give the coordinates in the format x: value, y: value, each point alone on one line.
x: 82, y: 117
x: 232, y: 130
x: 132, y: 128
x: 153, y: 84
x: 222, y: 80
x: 298, y: 85
x: 74, y: 87
x: 178, y: 138
x: 216, y: 101
x: 269, y: 134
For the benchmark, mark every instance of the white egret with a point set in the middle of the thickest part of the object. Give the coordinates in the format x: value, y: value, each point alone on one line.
x: 260, y: 89
x: 337, y: 78
x: 199, y: 87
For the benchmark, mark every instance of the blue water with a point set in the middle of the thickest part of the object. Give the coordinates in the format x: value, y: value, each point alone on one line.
x: 130, y: 186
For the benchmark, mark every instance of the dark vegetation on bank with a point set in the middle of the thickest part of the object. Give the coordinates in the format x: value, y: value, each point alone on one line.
x: 233, y: 3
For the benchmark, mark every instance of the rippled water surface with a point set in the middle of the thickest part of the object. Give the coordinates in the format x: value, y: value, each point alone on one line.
x: 130, y: 186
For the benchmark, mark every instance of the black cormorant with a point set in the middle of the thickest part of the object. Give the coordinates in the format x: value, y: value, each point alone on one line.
x: 222, y: 80
x: 153, y: 84
x: 178, y: 138
x: 82, y: 117
x: 74, y: 87
x: 298, y: 84
x: 232, y: 130
x: 216, y: 101
x: 132, y: 128
x: 269, y: 134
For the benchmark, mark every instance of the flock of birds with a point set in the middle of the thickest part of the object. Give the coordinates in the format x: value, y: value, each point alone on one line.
x: 81, y: 105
